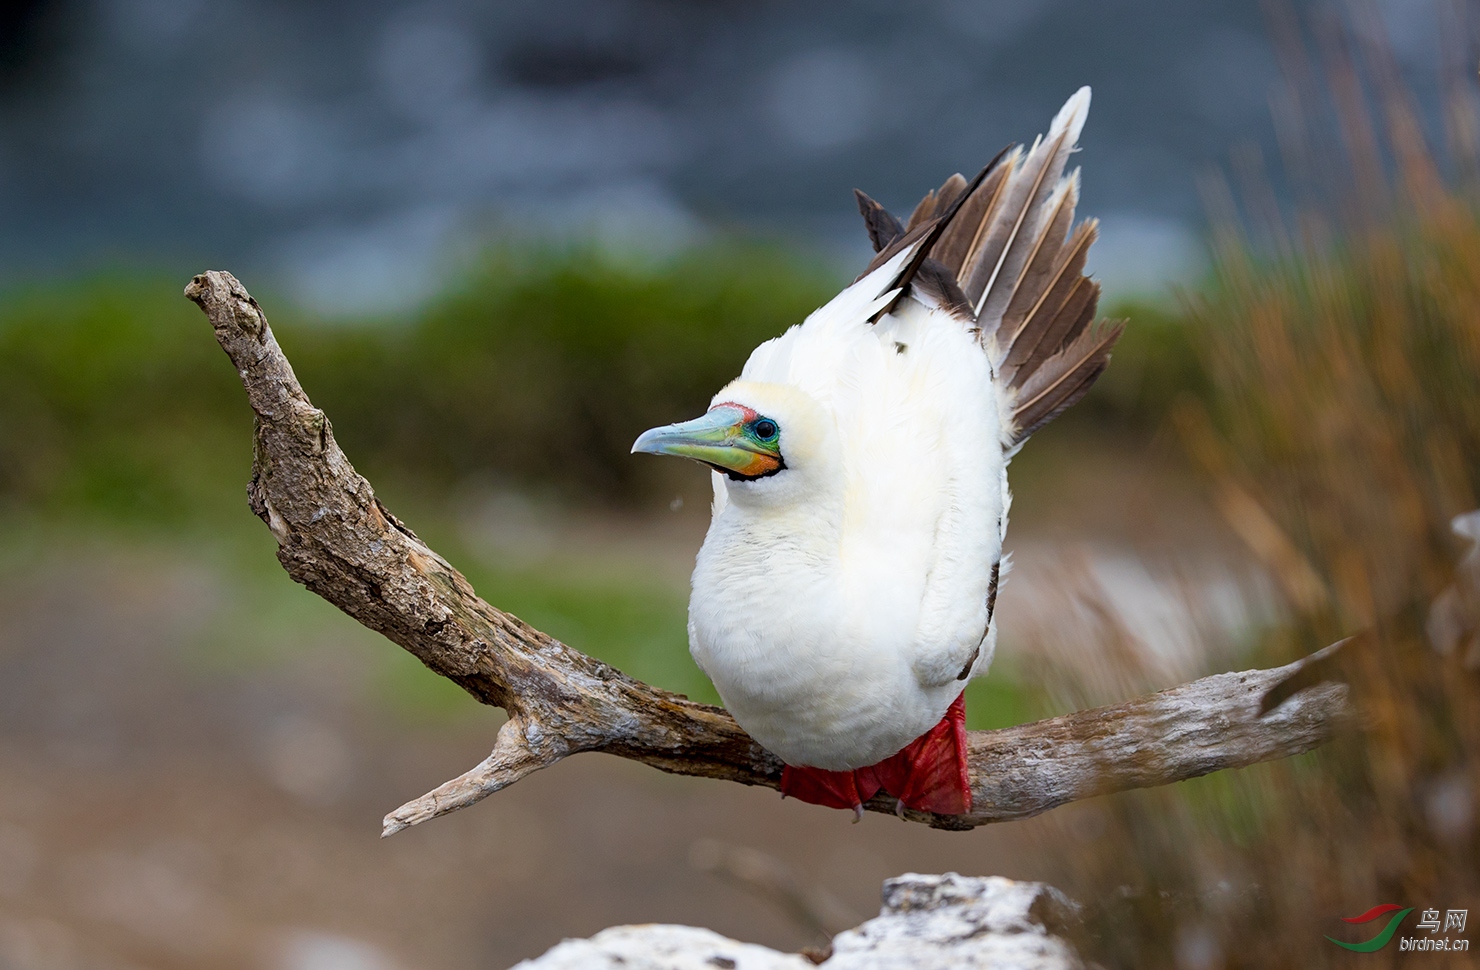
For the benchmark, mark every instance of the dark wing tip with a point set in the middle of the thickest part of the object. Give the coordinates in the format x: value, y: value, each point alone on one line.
x: 882, y: 227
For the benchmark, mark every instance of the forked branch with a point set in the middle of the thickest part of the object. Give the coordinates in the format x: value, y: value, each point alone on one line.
x: 336, y: 538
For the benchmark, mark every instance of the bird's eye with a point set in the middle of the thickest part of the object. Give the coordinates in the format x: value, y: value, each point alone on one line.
x: 765, y: 429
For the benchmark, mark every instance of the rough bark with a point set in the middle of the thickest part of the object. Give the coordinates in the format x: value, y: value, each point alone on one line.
x: 337, y: 539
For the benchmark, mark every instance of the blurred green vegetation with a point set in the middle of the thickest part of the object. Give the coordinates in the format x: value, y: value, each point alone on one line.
x: 542, y: 368
x: 536, y: 371
x: 538, y: 368
x: 112, y: 406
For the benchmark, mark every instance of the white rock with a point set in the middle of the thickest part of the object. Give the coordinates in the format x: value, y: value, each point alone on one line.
x: 954, y: 921
x: 657, y: 946
x: 927, y: 922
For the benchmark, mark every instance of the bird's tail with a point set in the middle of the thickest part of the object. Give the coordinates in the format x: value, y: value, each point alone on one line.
x: 1016, y: 255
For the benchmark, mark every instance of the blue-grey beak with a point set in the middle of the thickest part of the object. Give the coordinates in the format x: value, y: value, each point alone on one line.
x: 719, y: 439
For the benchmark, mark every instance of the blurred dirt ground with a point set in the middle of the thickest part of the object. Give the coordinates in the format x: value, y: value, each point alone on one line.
x: 174, y: 793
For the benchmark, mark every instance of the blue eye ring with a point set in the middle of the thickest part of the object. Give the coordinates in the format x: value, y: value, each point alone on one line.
x: 765, y: 429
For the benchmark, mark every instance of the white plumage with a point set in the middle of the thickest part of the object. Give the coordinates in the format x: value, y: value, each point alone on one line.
x: 843, y: 595
x: 835, y: 605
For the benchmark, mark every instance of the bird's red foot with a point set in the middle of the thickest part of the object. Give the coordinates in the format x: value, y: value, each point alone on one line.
x: 929, y: 774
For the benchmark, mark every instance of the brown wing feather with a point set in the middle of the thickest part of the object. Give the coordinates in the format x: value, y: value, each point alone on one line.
x: 1010, y: 242
x: 946, y: 195
x: 932, y: 232
x: 1050, y: 322
x: 939, y: 284
x: 1076, y: 313
x: 1063, y: 379
x: 1042, y: 262
x: 923, y: 212
x: 994, y: 268
x: 899, y: 244
x: 883, y: 228
x: 957, y: 241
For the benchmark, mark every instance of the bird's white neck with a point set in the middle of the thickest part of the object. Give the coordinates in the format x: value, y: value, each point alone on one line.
x: 799, y: 514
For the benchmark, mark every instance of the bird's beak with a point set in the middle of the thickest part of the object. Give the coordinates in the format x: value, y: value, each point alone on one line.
x: 719, y: 439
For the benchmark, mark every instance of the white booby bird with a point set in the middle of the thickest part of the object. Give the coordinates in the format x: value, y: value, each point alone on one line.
x: 844, y: 593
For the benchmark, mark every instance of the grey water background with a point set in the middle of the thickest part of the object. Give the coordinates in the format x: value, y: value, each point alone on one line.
x: 348, y: 153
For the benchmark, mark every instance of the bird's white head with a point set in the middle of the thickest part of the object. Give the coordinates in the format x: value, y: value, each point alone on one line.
x: 774, y: 444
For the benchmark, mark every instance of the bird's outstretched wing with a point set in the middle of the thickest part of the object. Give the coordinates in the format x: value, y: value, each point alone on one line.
x: 1009, y: 258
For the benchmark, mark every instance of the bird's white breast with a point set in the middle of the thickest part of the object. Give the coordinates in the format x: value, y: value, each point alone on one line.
x: 836, y: 626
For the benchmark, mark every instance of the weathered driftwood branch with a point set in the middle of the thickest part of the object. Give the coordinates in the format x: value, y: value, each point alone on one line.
x: 336, y: 538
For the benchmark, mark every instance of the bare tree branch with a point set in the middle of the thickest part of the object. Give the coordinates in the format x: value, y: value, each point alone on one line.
x: 336, y: 538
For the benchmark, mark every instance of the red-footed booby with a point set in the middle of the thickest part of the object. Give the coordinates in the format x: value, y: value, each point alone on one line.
x: 844, y: 594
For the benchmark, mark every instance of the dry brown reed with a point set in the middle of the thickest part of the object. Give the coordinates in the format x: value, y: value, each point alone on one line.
x: 1339, y: 430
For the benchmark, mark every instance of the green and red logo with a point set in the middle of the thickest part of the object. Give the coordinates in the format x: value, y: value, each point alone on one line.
x: 1381, y: 939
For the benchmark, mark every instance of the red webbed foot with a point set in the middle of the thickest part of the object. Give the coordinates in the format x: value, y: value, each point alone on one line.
x: 832, y: 789
x: 929, y: 774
